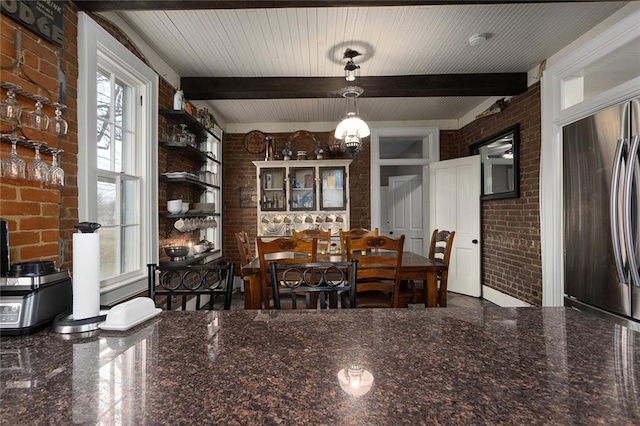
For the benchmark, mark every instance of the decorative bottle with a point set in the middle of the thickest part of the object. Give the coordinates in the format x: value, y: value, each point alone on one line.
x: 178, y: 101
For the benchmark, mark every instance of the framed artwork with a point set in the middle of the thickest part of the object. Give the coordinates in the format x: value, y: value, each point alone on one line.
x: 248, y: 197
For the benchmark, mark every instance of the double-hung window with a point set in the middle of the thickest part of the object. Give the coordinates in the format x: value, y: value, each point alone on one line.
x: 117, y: 159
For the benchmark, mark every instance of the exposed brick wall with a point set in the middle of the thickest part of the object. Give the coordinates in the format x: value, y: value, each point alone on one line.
x: 40, y: 217
x: 239, y: 172
x: 449, y: 144
x: 511, y: 259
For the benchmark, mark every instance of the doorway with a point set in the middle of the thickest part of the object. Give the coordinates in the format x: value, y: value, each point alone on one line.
x: 399, y: 182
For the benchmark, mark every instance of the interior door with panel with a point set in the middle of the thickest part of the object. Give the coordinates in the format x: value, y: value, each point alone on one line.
x: 454, y: 205
x: 406, y: 207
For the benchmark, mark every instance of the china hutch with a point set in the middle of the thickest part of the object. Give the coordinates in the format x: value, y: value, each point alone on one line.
x: 302, y: 194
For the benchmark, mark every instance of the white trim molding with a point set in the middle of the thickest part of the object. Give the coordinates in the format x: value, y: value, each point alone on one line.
x: 501, y: 299
x: 623, y: 28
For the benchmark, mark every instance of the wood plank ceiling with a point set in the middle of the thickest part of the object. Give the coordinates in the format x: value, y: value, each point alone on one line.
x: 281, y: 61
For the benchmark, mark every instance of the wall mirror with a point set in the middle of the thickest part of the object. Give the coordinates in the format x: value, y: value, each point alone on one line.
x: 500, y: 165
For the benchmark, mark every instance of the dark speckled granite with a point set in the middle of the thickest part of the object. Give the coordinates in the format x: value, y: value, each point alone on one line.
x: 436, y: 366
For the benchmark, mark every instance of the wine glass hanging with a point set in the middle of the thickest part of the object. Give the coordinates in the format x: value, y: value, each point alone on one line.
x: 11, y: 113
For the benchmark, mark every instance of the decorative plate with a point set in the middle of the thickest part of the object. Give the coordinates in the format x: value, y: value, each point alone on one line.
x: 302, y: 140
x: 272, y: 228
x: 254, y: 142
x: 180, y: 175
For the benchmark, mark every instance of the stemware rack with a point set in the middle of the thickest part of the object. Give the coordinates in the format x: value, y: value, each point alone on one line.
x: 30, y: 96
x: 26, y: 142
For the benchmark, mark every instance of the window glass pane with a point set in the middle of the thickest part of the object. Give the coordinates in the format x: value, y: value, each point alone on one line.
x: 118, y: 149
x: 615, y: 68
x: 108, y: 253
x: 119, y: 103
x: 103, y: 95
x: 130, y: 205
x: 129, y: 154
x: 130, y: 248
x: 401, y: 147
x: 104, y: 145
x: 107, y: 196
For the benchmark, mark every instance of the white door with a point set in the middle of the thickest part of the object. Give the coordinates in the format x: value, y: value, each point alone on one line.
x: 406, y: 212
x: 384, y: 211
x: 454, y: 205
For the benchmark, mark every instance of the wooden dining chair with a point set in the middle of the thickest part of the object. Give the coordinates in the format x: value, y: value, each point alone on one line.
x: 440, y: 248
x: 378, y: 278
x: 283, y: 250
x: 244, y: 247
x: 323, y: 237
x: 192, y: 287
x: 354, y: 234
x: 319, y: 284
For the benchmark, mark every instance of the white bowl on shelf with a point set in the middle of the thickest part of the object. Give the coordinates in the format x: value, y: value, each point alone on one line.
x: 185, y: 208
x: 174, y: 206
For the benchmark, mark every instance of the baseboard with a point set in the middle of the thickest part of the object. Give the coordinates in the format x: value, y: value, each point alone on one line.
x: 502, y: 299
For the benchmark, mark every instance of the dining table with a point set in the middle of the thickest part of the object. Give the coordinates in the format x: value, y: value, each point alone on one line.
x: 454, y: 366
x: 414, y: 267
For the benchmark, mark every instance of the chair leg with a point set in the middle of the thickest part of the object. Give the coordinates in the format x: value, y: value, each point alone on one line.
x: 442, y: 293
x: 265, y: 295
x: 414, y: 291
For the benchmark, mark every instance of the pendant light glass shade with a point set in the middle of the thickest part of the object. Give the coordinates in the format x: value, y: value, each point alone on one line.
x: 351, y: 126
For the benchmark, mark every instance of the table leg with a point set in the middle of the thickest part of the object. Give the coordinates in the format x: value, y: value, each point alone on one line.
x: 431, y: 290
x: 252, y: 298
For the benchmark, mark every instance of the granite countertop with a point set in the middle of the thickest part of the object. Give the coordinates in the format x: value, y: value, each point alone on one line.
x: 435, y: 366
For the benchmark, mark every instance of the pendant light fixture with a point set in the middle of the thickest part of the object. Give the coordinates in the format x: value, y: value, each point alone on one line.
x: 352, y: 128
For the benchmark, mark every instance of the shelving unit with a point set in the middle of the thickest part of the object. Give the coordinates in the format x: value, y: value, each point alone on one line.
x: 198, y: 258
x: 207, y: 160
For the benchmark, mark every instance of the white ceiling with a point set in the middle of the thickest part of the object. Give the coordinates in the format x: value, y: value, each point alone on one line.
x: 309, y: 42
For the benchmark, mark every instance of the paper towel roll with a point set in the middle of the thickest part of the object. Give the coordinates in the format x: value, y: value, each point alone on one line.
x: 86, y: 275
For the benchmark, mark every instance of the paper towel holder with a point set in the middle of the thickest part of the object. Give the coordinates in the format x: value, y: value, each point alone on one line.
x: 87, y: 227
x: 65, y: 323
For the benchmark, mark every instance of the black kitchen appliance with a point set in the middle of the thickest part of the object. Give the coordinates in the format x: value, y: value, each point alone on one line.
x: 5, y: 258
x: 31, y: 295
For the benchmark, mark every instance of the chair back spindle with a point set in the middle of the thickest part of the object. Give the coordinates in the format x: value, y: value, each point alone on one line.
x: 319, y: 284
x: 187, y: 286
x: 283, y: 250
x: 379, y: 259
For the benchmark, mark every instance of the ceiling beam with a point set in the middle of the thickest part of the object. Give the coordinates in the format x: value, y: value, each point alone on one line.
x: 115, y: 5
x: 410, y: 86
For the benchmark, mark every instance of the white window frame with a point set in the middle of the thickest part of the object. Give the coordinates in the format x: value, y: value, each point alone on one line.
x: 94, y: 41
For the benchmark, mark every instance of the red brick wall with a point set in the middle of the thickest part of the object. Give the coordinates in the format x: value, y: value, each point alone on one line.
x: 239, y: 172
x: 40, y: 217
x: 511, y: 260
x: 449, y: 144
